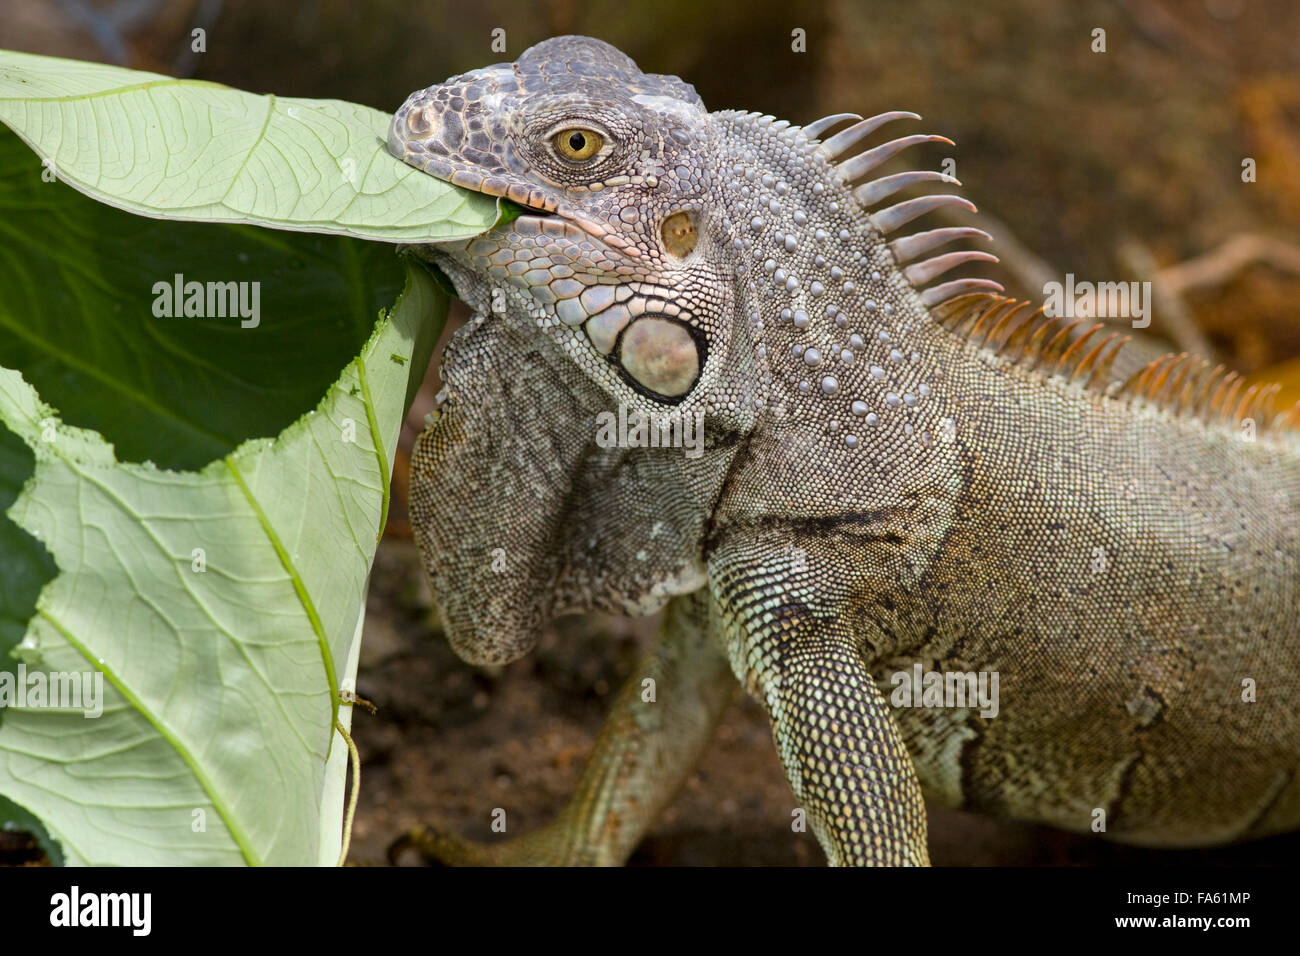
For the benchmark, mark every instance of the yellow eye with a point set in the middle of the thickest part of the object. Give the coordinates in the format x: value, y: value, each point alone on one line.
x: 577, y: 145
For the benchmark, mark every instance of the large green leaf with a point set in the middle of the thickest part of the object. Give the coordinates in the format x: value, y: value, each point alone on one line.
x: 77, y: 282
x: 221, y: 684
x: 189, y: 149
x: 222, y: 604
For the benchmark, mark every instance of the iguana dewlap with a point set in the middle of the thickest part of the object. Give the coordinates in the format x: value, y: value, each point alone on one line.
x: 895, y: 471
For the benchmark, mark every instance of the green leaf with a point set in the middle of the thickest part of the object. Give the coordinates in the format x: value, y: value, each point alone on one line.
x: 222, y: 606
x: 220, y: 685
x: 25, y: 566
x: 189, y: 149
x: 77, y: 297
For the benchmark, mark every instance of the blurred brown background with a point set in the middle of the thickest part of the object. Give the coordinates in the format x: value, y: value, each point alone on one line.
x: 1125, y: 164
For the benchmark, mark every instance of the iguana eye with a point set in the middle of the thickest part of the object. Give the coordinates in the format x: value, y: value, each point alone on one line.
x: 577, y: 145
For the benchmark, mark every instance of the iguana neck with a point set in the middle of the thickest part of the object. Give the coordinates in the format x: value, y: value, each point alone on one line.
x: 846, y: 333
x: 839, y: 335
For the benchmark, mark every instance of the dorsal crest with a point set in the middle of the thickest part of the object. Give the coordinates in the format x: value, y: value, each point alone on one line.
x: 1076, y: 350
x: 1072, y: 349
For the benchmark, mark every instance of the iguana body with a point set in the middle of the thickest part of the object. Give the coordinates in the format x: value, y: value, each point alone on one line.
x: 890, y: 476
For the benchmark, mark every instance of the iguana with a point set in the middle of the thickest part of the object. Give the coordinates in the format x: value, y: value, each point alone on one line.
x: 897, y: 477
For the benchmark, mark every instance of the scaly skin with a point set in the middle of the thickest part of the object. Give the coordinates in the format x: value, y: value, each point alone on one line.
x: 876, y: 489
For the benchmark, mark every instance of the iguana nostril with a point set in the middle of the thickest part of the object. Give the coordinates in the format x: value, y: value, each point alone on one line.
x: 661, y: 355
x: 679, y: 234
x: 420, y: 121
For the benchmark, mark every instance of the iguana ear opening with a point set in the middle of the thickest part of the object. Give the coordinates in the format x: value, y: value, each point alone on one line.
x: 679, y: 234
x: 661, y: 356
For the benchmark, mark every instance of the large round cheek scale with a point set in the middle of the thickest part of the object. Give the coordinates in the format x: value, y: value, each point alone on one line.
x: 660, y: 355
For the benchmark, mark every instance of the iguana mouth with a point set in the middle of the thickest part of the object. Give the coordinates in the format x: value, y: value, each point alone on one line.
x: 537, y: 205
x: 534, y: 211
x: 534, y: 201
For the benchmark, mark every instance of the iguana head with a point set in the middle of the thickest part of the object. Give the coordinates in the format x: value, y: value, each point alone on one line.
x: 614, y: 253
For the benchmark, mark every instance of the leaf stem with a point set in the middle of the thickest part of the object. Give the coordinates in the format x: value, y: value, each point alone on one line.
x: 355, y: 758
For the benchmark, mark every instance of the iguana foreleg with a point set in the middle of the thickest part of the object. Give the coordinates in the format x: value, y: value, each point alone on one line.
x: 651, y: 741
x: 841, y: 748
